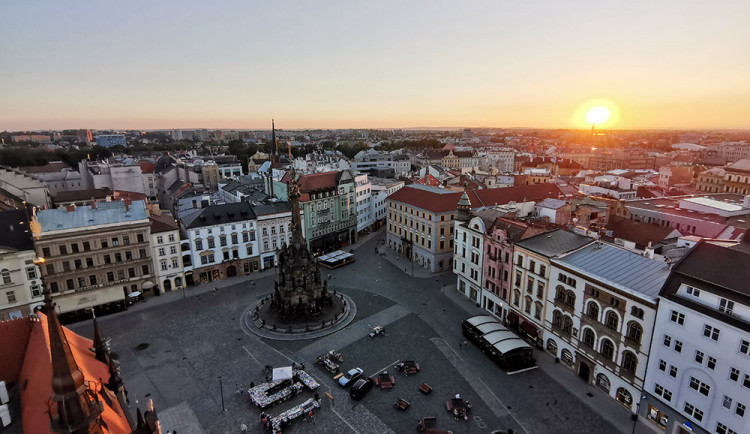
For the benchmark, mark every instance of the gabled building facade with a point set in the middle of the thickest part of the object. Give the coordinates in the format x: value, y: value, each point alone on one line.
x: 273, y: 221
x: 166, y: 252
x: 223, y: 242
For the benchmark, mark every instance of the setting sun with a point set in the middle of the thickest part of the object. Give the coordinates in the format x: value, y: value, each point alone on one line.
x: 597, y: 115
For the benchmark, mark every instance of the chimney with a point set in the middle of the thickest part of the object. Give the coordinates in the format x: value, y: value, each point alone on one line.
x: 70, y: 208
x: 93, y: 204
x: 127, y: 204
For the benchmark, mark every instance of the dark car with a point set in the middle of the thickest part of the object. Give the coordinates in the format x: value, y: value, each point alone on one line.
x: 361, y: 387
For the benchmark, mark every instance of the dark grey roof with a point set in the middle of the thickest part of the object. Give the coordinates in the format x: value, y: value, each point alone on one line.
x: 727, y: 267
x: 618, y: 267
x: 272, y: 208
x: 14, y: 227
x: 219, y: 215
x: 554, y: 243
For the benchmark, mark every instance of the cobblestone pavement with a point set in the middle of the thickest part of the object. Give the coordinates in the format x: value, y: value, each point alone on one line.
x: 196, y: 343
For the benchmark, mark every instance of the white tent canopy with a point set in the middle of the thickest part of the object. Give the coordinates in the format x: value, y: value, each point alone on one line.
x: 284, y: 373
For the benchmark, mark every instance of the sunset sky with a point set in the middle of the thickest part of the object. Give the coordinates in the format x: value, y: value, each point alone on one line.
x: 368, y: 64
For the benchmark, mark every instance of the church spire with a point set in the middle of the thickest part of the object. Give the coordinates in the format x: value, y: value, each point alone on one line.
x: 77, y: 410
x: 100, y: 347
x: 463, y: 213
x: 273, y: 136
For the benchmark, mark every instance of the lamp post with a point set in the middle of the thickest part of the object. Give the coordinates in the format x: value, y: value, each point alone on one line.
x: 635, y: 416
x: 221, y: 390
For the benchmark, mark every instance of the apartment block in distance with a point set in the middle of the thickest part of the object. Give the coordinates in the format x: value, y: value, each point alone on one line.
x: 94, y: 255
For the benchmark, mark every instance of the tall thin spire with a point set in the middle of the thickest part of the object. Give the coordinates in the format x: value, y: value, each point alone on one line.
x: 100, y: 347
x: 273, y: 135
x: 293, y: 195
x: 77, y: 408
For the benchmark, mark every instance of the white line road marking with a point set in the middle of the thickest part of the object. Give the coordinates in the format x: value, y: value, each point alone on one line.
x: 385, y: 368
x: 250, y: 354
x: 504, y: 407
x: 522, y: 370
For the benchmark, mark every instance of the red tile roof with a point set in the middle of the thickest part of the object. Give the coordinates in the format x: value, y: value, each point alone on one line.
x: 428, y: 180
x: 162, y: 223
x: 147, y: 167
x: 442, y: 201
x: 317, y: 181
x: 36, y: 378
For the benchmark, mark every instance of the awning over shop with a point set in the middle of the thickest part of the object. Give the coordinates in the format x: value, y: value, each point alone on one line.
x: 148, y: 284
x: 530, y: 329
x: 513, y: 316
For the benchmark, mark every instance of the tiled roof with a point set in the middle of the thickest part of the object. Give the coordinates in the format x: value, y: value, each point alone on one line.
x: 740, y: 165
x: 439, y: 200
x: 84, y: 216
x: 220, y: 214
x: 147, y: 167
x: 50, y: 167
x: 162, y: 223
x: 272, y: 208
x: 640, y: 233
x: 554, y: 243
x: 317, y: 181
x: 719, y: 265
x: 619, y: 267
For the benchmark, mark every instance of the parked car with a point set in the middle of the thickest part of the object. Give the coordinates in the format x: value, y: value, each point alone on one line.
x: 361, y: 387
x: 350, y: 377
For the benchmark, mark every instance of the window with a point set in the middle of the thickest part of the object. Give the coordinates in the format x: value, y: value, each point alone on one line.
x: 529, y: 285
x: 159, y: 239
x: 173, y: 250
x: 699, y: 356
x: 120, y: 274
x: 723, y: 429
x: 673, y: 371
x: 245, y: 237
x: 161, y: 251
x: 746, y: 381
x: 139, y: 237
x: 662, y: 365
x: 692, y: 411
x: 163, y: 265
x: 50, y: 269
x: 53, y: 287
x: 144, y: 269
x: 540, y: 290
x: 125, y: 240
x: 118, y: 257
x: 667, y: 341
x: 70, y: 284
x: 711, y: 363
x: 110, y: 276
x: 234, y: 238
x: 678, y: 346
x: 198, y: 245
x: 175, y: 264
x: 593, y: 310
x: 141, y: 253
x: 636, y: 312
x: 45, y: 252
x: 78, y: 264
x: 223, y: 240
x: 89, y: 262
x: 588, y: 338
x: 11, y: 296
x: 635, y: 331
x: 695, y: 292
x: 63, y: 250
x: 171, y: 237
x: 107, y: 259
x: 711, y: 332
x: 678, y: 318
x: 131, y: 272
x: 727, y: 402
x: 105, y: 244
x: 726, y: 306
x: 607, y: 349
x: 661, y: 391
x: 115, y: 242
x: 734, y: 374
x: 740, y: 410
x: 542, y: 270
x: 92, y: 279
x: 532, y: 266
x: 81, y: 282
x: 700, y: 386
x: 211, y: 243
x: 629, y: 362
x: 612, y: 320
x: 745, y: 347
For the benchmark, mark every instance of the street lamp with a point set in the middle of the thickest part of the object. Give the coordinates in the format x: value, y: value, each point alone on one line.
x: 221, y: 389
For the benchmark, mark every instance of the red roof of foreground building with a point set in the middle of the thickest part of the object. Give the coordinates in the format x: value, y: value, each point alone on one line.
x: 147, y: 167
x: 28, y: 339
x: 438, y: 200
x: 428, y: 180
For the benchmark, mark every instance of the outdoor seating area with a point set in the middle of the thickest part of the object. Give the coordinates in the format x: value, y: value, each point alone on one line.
x: 336, y: 259
x: 401, y: 404
x: 385, y: 380
x: 330, y: 360
x: 425, y: 388
x: 377, y: 331
x: 408, y: 367
x: 459, y: 407
x: 281, y: 389
x: 278, y: 422
x: 429, y: 425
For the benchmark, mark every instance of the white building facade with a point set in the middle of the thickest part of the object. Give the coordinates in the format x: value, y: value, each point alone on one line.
x: 274, y: 221
x: 467, y: 258
x: 363, y: 193
x: 166, y: 253
x: 20, y: 283
x: 602, y: 307
x: 698, y: 376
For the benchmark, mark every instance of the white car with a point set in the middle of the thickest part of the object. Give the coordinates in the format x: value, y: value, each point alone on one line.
x: 350, y: 377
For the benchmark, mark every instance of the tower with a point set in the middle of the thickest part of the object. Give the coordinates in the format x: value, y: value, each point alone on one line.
x: 75, y: 408
x: 463, y: 213
x: 275, y: 159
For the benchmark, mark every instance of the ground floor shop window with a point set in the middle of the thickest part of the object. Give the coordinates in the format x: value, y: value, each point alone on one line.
x: 567, y: 357
x: 656, y: 416
x: 603, y: 382
x: 624, y: 397
x: 552, y: 346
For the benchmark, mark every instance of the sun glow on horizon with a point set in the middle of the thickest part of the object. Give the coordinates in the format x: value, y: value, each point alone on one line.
x: 597, y: 115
